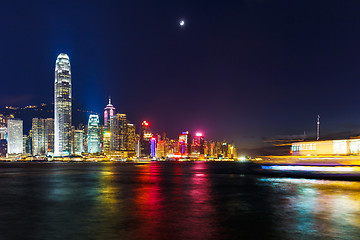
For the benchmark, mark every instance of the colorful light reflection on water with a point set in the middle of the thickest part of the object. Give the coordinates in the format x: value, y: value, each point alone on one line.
x: 180, y: 200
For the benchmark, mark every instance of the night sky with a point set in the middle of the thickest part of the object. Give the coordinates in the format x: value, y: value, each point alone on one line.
x: 238, y: 70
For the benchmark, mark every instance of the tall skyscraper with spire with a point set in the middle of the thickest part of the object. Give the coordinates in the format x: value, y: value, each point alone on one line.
x: 62, y: 111
x: 109, y: 112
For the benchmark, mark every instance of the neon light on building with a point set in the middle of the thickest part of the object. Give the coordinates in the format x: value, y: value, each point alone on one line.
x: 153, y: 147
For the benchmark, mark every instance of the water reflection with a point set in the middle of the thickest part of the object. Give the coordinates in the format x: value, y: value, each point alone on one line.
x: 317, y: 208
x: 180, y: 200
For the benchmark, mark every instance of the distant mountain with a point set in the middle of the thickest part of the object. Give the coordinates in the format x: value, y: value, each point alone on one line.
x: 27, y: 113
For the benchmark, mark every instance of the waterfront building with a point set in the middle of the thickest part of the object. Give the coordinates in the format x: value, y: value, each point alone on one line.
x: 145, y: 139
x: 39, y: 140
x: 109, y: 112
x: 93, y: 134
x: 106, y: 142
x: 49, y: 133
x: 27, y: 143
x: 78, y: 142
x: 198, y: 144
x: 15, y: 136
x: 130, y: 137
x: 185, y: 143
x: 153, y: 147
x: 62, y: 111
x: 161, y: 149
x: 118, y: 129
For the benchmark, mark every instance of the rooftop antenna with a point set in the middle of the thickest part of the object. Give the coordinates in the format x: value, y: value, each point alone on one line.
x: 318, y: 128
x: 109, y: 100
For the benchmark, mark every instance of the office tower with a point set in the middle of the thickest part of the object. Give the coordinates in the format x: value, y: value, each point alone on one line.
x: 27, y: 143
x: 185, y: 143
x: 109, y: 112
x: 15, y: 136
x: 39, y: 141
x: 107, y: 142
x: 137, y: 145
x: 118, y: 129
x: 153, y: 147
x: 199, y: 143
x: 232, y: 151
x: 130, y: 137
x: 84, y: 129
x: 93, y: 134
x: 78, y: 142
x: 49, y: 133
x: 145, y: 139
x: 161, y: 149
x: 62, y: 111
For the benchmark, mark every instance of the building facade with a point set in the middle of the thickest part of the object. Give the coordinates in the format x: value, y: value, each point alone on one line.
x: 78, y: 142
x: 109, y: 112
x: 15, y: 136
x: 39, y: 138
x: 93, y: 134
x: 62, y: 111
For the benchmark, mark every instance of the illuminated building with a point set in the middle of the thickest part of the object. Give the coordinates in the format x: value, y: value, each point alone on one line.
x: 118, y: 129
x: 78, y: 147
x: 108, y: 114
x: 130, y: 137
x: 106, y: 142
x: 145, y: 139
x: 153, y: 147
x: 3, y: 147
x: 199, y: 143
x: 161, y: 149
x: 15, y: 136
x: 39, y: 140
x: 49, y: 133
x: 185, y: 143
x: 93, y: 134
x: 62, y: 111
x: 3, y: 131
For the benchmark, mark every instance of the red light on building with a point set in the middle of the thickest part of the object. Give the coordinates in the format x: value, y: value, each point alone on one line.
x: 145, y: 123
x: 198, y: 134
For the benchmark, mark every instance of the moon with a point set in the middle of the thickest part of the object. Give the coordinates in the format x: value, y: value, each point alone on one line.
x: 182, y: 23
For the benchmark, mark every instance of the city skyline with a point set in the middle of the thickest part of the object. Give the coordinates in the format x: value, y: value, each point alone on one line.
x: 233, y: 71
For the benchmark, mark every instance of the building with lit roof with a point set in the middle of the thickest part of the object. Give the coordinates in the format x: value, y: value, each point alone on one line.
x: 62, y: 111
x: 109, y: 112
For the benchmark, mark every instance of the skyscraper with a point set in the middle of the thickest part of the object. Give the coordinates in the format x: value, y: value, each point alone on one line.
x: 185, y: 143
x: 62, y: 106
x: 15, y: 136
x: 145, y: 139
x: 199, y: 143
x: 39, y: 140
x: 49, y: 131
x: 108, y: 114
x: 78, y: 142
x: 93, y: 134
x: 130, y: 137
x: 118, y: 128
